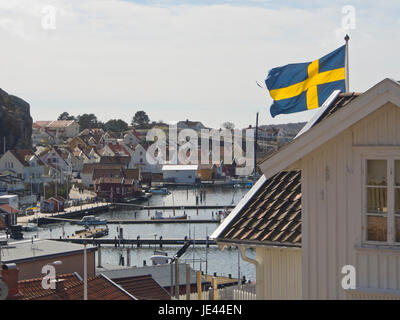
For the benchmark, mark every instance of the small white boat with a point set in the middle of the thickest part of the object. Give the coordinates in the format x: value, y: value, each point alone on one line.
x: 91, y: 221
x: 30, y: 227
x: 159, y: 191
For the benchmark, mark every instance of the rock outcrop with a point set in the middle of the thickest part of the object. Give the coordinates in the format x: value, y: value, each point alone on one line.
x: 15, y: 123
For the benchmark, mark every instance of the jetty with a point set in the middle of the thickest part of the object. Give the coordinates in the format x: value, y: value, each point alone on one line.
x: 46, y: 220
x: 139, y: 242
x: 176, y: 207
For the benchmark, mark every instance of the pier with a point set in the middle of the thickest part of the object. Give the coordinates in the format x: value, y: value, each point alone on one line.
x: 176, y: 207
x: 47, y: 220
x: 117, y: 242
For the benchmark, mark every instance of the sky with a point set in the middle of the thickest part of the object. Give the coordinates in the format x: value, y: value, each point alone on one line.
x: 177, y: 60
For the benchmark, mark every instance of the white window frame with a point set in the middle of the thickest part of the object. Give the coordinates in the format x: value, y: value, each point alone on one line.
x: 390, y: 154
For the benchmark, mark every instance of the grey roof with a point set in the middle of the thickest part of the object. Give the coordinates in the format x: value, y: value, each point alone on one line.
x: 26, y: 250
x: 160, y: 273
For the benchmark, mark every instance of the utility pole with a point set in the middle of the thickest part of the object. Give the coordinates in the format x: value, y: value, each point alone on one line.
x: 85, y: 297
x: 255, y: 149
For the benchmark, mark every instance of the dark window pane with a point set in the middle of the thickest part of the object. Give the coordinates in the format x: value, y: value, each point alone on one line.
x: 397, y: 172
x: 397, y: 229
x: 377, y: 228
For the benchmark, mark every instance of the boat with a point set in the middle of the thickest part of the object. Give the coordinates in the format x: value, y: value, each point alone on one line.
x: 91, y: 221
x: 91, y: 233
x: 30, y: 227
x: 159, y: 216
x: 221, y: 215
x: 159, y: 191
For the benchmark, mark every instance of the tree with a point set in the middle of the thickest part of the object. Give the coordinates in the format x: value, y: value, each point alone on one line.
x: 228, y: 125
x: 87, y: 121
x: 116, y: 125
x: 65, y: 116
x: 140, y: 118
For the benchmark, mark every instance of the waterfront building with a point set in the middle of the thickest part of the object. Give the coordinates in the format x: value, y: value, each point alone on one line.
x: 322, y: 218
x: 30, y: 256
x: 180, y: 173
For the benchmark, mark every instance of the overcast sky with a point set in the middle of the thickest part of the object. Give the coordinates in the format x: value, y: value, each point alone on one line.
x: 178, y: 60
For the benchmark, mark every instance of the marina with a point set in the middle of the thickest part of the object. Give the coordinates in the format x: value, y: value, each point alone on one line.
x: 136, y: 223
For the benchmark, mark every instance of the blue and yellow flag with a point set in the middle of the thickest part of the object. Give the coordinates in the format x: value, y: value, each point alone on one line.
x: 303, y: 86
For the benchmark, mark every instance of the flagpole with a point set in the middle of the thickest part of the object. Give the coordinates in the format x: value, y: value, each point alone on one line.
x: 346, y: 67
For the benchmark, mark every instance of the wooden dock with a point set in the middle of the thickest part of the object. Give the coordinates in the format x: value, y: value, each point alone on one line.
x: 139, y: 242
x: 176, y: 207
x: 133, y: 221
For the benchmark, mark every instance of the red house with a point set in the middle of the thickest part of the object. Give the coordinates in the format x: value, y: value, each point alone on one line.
x: 115, y: 189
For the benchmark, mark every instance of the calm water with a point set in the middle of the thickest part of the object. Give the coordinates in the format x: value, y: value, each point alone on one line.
x: 223, y: 262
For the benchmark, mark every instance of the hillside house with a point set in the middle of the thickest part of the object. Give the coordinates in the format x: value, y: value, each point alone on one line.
x: 328, y: 202
x: 25, y: 165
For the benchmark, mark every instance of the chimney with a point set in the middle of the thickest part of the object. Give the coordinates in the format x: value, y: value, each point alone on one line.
x: 9, y: 274
x: 59, y: 285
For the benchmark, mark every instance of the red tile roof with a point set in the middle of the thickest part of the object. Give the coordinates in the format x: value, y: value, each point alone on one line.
x: 143, y: 288
x: 98, y: 288
x: 60, y: 123
x: 32, y: 288
x: 7, y: 208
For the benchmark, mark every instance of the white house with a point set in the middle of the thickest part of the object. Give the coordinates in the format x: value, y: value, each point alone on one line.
x: 59, y: 129
x: 131, y: 138
x: 58, y: 159
x: 180, y: 173
x: 344, y: 166
x: 139, y: 160
x: 25, y: 165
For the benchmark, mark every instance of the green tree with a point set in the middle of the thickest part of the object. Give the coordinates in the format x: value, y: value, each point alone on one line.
x: 87, y: 121
x: 228, y: 125
x: 65, y: 116
x: 116, y: 125
x: 140, y: 118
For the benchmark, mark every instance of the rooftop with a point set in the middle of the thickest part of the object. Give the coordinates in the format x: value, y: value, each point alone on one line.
x: 32, y: 249
x: 179, y: 167
x: 143, y: 288
x: 160, y: 273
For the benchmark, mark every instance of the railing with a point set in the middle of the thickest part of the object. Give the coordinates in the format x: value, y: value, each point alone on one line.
x: 243, y: 292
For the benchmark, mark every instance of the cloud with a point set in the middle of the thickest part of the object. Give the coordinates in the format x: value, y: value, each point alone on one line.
x: 178, y: 61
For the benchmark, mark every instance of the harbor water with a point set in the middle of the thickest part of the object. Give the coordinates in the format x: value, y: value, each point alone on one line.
x: 211, y: 260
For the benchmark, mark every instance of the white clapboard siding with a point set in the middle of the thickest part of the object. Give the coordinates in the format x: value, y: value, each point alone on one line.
x: 280, y: 272
x: 332, y: 211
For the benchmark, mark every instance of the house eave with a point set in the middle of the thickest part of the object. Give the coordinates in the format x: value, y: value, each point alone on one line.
x: 255, y: 244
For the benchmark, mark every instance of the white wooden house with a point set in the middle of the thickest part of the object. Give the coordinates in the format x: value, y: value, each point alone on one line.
x: 347, y: 160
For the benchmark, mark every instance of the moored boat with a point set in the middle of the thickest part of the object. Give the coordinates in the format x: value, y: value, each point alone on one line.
x: 91, y: 221
x: 159, y: 191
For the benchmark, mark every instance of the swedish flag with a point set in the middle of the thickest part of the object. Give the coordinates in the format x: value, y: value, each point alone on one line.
x: 303, y: 86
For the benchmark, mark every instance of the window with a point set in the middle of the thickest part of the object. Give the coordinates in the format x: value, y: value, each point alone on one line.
x: 382, y: 200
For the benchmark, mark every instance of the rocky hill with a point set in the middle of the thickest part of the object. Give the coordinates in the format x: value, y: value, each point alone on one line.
x: 15, y: 122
